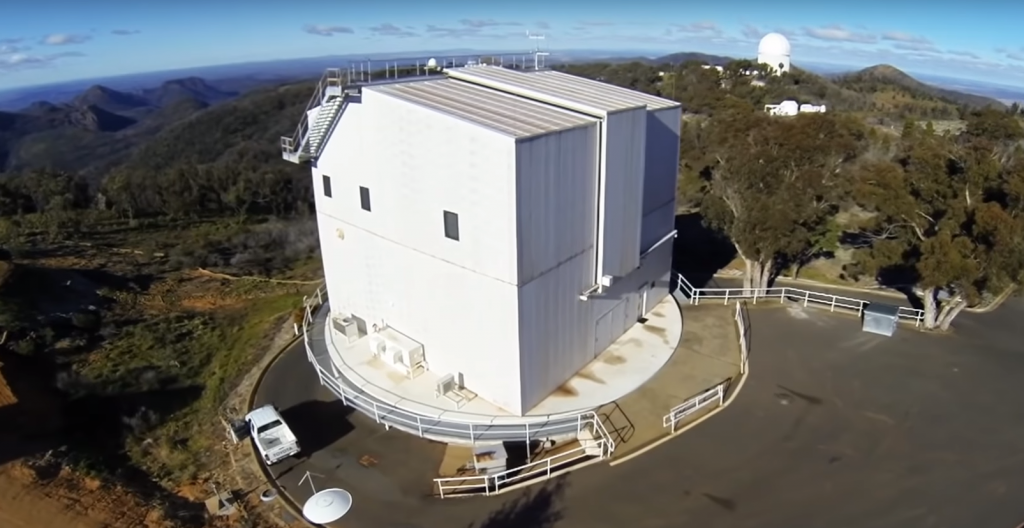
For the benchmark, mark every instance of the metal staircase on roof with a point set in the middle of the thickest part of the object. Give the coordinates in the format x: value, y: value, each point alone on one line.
x: 338, y: 85
x: 307, y: 140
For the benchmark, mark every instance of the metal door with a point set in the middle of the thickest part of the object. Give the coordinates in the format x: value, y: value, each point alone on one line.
x: 609, y: 327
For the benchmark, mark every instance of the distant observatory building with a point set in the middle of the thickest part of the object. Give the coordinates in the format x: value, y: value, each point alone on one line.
x: 774, y: 51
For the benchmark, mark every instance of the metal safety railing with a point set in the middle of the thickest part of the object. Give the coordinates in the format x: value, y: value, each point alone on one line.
x: 712, y: 396
x: 533, y: 471
x: 485, y: 429
x: 805, y: 297
x: 359, y: 73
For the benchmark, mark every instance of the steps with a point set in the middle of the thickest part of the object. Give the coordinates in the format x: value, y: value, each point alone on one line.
x: 329, y: 97
x: 322, y: 125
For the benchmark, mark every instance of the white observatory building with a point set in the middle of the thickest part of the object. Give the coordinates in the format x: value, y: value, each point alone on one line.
x: 487, y: 234
x: 774, y: 50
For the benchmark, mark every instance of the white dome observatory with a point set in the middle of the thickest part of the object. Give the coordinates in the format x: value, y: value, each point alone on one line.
x: 774, y: 51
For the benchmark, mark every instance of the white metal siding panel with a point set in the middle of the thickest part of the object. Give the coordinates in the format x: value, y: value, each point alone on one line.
x: 498, y: 111
x: 555, y: 328
x: 660, y: 175
x: 624, y: 160
x: 653, y: 275
x: 417, y: 163
x: 662, y: 169
x: 556, y: 177
x: 466, y: 322
x: 657, y: 225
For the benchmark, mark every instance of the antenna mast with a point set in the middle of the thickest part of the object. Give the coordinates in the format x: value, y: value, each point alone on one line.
x: 537, y: 53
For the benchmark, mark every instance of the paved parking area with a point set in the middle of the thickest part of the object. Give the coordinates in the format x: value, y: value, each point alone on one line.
x: 833, y: 428
x: 708, y: 354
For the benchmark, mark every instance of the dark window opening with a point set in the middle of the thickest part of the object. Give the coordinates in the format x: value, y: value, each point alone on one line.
x: 327, y: 186
x: 451, y: 225
x: 364, y: 198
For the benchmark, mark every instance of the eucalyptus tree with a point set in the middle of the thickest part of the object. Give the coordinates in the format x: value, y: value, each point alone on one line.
x: 949, y: 210
x: 775, y: 184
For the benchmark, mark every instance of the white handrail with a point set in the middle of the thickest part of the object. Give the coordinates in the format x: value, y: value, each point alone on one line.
x: 715, y: 395
x: 472, y: 429
x: 782, y: 293
x: 493, y: 483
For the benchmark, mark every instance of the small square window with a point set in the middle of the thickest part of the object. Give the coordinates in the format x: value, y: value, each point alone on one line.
x: 327, y: 186
x: 451, y: 225
x: 364, y: 198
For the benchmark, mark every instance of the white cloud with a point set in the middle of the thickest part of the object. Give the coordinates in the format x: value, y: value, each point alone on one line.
x: 23, y: 61
x: 485, y: 23
x: 125, y: 32
x: 327, y: 31
x: 479, y: 28
x: 390, y: 30
x: 967, y: 54
x: 11, y: 40
x: 64, y: 39
x: 451, y: 32
x: 837, y: 33
x: 10, y: 49
x: 916, y: 46
x: 899, y: 36
x: 753, y: 33
x: 699, y: 28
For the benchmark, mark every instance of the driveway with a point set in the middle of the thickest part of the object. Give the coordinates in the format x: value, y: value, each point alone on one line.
x: 834, y: 427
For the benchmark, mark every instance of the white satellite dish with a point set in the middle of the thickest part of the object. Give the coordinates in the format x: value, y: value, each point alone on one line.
x: 327, y: 506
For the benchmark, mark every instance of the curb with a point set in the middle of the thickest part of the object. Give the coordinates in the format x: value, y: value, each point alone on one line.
x: 732, y: 396
x: 882, y: 292
x: 289, y: 504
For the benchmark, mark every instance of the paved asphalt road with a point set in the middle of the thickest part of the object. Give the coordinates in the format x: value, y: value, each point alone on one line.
x: 833, y: 428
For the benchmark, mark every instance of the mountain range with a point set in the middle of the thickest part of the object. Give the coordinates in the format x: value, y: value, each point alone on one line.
x: 99, y: 127
x: 107, y: 122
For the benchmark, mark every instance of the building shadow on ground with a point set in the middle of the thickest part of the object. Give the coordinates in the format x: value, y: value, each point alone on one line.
x: 538, y: 507
x: 699, y: 251
x: 318, y: 424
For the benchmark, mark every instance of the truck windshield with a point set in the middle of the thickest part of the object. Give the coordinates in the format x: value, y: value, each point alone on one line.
x: 268, y: 426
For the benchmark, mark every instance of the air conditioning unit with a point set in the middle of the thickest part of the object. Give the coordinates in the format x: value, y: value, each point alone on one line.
x: 348, y: 327
x: 607, y: 280
x: 398, y: 351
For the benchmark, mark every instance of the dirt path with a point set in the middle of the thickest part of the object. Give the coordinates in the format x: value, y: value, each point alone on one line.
x: 23, y: 506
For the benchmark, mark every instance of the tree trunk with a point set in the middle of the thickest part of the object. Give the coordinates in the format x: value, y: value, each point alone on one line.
x: 938, y: 316
x: 931, y: 308
x: 950, y: 309
x: 757, y: 275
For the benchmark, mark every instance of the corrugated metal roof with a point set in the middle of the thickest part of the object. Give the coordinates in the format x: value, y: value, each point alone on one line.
x: 509, y: 114
x: 574, y: 92
x: 652, y: 101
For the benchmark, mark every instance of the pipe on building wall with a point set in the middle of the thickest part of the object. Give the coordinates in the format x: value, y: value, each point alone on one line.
x: 671, y: 235
x: 599, y: 220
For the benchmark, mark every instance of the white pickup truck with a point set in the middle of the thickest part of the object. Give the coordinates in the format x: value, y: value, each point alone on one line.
x: 274, y: 439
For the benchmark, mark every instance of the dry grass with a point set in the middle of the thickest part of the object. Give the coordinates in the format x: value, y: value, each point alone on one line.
x: 173, y: 346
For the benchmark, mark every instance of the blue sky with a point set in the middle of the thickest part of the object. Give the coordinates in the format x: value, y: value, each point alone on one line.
x: 46, y: 41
